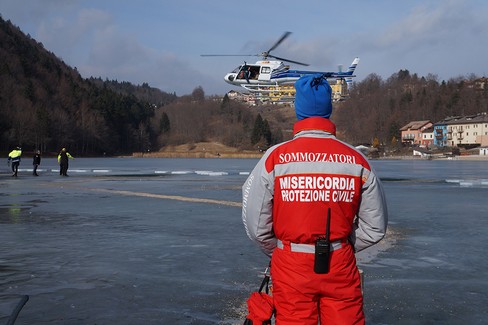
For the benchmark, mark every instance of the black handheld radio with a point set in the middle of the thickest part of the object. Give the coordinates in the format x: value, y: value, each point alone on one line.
x: 322, y: 250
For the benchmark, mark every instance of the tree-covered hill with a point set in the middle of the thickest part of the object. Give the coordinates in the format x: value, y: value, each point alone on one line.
x: 46, y: 105
x: 378, y: 108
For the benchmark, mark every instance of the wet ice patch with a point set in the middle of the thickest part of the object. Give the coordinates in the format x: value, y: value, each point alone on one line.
x: 469, y: 182
x: 210, y: 173
x: 370, y: 253
x: 189, y: 245
x: 145, y: 171
x: 76, y: 171
x: 181, y: 172
x: 453, y: 180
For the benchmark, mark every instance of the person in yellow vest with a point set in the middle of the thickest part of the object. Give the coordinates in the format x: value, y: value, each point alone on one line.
x: 14, y: 157
x: 63, y: 162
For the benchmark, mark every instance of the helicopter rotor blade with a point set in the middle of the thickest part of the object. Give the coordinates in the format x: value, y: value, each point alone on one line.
x: 283, y: 37
x: 291, y: 61
x: 229, y: 55
x: 266, y: 54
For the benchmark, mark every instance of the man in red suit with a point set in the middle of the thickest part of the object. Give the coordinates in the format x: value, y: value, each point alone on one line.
x: 310, y: 204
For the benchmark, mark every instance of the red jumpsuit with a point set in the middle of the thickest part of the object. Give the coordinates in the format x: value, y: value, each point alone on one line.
x: 285, y: 203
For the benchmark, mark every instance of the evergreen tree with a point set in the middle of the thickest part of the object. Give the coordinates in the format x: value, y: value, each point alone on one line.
x: 257, y: 130
x: 225, y: 104
x: 266, y: 132
x: 198, y: 94
x: 164, y: 124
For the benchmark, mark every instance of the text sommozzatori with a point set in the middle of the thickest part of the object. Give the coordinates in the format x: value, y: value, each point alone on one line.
x: 316, y: 157
x: 317, y: 188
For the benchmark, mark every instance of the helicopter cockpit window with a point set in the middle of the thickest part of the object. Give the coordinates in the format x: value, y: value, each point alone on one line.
x: 236, y: 70
x: 266, y: 70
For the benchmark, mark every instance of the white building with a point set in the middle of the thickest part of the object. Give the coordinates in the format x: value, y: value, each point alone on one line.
x: 427, y: 137
x: 468, y: 130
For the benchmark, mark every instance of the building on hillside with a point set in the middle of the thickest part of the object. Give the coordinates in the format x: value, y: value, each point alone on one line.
x: 468, y: 131
x: 412, y: 132
x: 440, y: 134
x: 233, y: 95
x: 478, y: 84
x: 283, y: 94
x: 427, y: 137
x: 484, y: 151
x: 481, y: 84
x: 441, y: 131
x: 339, y: 90
x: 248, y: 98
x: 279, y: 93
x: 462, y: 131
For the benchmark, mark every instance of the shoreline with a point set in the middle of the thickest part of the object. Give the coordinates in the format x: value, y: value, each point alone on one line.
x: 219, y: 150
x: 195, y: 154
x: 200, y: 150
x: 257, y: 155
x: 466, y: 157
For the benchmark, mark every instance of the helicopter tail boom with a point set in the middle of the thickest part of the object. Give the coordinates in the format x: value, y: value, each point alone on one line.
x: 295, y: 74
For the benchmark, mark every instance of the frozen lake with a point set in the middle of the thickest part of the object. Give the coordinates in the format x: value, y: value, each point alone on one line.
x: 160, y: 241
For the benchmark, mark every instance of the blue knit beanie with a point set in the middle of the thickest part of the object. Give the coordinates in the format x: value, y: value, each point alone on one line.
x: 313, y: 97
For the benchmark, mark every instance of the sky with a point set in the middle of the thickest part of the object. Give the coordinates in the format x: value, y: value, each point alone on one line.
x: 160, y: 42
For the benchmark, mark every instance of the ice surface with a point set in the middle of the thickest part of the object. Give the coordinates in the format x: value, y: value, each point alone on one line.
x: 146, y: 241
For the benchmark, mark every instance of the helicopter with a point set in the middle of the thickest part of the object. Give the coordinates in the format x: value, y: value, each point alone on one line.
x: 271, y: 79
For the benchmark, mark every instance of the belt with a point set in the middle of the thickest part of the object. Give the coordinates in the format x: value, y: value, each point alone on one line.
x: 307, y: 248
